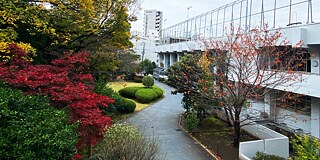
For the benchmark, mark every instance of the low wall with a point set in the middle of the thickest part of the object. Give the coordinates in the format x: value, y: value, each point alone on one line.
x: 271, y: 143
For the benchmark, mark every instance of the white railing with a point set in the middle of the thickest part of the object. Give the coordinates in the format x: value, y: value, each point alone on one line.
x: 245, y: 14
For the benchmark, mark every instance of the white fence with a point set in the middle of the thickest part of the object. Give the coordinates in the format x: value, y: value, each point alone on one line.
x: 271, y: 142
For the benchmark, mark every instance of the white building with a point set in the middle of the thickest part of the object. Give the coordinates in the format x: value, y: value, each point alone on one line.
x: 152, y: 23
x: 300, y: 118
x: 145, y: 47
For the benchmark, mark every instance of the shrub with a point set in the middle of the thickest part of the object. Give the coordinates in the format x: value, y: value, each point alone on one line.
x: 123, y: 105
x: 124, y: 141
x: 161, y: 79
x: 129, y: 92
x: 31, y: 129
x: 264, y: 156
x: 148, y: 81
x: 129, y: 76
x: 158, y: 91
x: 120, y: 105
x: 305, y: 147
x: 191, y: 121
x: 146, y: 95
x: 137, y: 79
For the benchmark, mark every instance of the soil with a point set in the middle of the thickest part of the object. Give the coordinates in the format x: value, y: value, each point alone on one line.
x: 217, y: 136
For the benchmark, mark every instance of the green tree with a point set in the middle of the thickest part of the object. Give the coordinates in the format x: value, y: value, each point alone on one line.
x: 147, y: 66
x: 306, y: 148
x: 98, y: 26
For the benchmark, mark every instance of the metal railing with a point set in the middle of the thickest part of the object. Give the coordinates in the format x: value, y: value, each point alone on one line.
x: 244, y: 14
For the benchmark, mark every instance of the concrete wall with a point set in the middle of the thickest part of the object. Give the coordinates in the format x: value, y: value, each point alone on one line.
x: 272, y: 142
x: 315, y: 117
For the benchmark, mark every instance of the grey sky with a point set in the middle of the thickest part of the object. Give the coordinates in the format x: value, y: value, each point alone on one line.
x: 176, y: 10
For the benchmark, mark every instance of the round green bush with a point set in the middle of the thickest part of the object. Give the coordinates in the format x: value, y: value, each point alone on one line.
x: 158, y: 91
x: 120, y: 105
x: 146, y: 95
x: 126, y: 106
x: 148, y: 81
x: 129, y: 92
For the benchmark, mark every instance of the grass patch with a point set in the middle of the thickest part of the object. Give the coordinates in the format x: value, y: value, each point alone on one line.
x: 116, y: 86
x: 213, y: 123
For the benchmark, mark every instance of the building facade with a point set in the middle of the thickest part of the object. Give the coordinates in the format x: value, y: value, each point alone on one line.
x: 152, y: 23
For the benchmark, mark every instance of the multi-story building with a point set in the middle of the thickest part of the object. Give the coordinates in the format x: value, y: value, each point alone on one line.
x: 302, y: 117
x: 152, y: 23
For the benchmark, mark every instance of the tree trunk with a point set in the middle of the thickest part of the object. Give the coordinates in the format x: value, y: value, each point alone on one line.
x: 236, y: 126
x: 227, y: 115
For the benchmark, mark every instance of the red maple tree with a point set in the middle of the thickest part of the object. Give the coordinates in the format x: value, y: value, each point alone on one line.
x: 68, y: 85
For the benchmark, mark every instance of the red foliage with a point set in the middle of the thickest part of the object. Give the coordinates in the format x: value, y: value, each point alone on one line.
x: 67, y: 85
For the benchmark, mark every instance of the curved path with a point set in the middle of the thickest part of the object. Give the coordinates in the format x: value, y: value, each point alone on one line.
x: 161, y: 120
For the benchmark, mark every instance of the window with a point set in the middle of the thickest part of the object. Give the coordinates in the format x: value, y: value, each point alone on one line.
x: 285, y: 58
x: 294, y: 102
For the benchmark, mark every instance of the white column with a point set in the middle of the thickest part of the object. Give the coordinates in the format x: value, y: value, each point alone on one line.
x: 270, y: 105
x: 172, y: 55
x: 166, y: 60
x: 178, y: 57
x: 315, y: 117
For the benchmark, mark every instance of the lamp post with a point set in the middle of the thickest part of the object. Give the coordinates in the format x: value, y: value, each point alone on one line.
x: 187, y: 32
x: 247, y: 8
x: 163, y: 29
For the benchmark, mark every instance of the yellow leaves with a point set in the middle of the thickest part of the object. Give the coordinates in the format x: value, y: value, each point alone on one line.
x: 26, y: 47
x: 204, y: 63
x: 5, y: 54
x: 3, y: 47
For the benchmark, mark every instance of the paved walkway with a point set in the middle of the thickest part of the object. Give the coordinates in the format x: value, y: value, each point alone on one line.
x: 161, y: 120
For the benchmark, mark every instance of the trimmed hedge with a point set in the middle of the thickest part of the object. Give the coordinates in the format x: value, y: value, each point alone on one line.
x: 146, y: 95
x: 120, y: 105
x: 129, y: 92
x: 158, y: 91
x: 148, y: 81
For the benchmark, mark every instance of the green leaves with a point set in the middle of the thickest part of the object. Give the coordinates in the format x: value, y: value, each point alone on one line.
x: 31, y: 129
x: 58, y: 26
x: 306, y: 147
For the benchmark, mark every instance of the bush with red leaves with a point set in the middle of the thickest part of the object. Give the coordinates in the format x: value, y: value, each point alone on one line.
x: 67, y: 84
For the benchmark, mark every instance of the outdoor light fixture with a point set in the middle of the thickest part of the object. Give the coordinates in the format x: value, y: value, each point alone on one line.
x: 314, y: 63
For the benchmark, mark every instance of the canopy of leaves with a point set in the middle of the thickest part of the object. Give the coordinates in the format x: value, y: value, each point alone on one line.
x: 54, y: 26
x: 147, y: 66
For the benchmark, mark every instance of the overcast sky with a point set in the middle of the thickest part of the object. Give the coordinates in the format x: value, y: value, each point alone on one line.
x: 175, y: 11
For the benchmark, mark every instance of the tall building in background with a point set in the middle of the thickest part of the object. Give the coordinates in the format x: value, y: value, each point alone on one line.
x: 152, y: 24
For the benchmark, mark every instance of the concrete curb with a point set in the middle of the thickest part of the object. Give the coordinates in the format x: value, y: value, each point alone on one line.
x: 195, y: 139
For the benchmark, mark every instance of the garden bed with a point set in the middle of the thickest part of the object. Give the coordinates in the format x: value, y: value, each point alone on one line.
x: 217, y: 136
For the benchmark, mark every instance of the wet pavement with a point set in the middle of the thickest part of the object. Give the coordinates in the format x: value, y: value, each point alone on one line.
x: 161, y: 120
